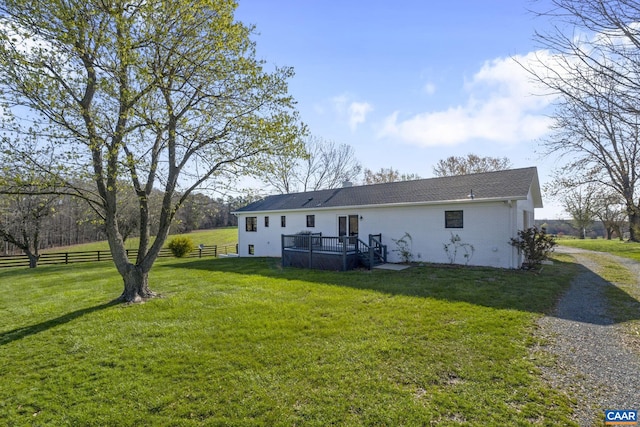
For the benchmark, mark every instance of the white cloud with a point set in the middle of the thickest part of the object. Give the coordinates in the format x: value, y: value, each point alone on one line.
x: 340, y: 103
x: 358, y: 113
x: 429, y: 88
x: 501, y: 106
x: 353, y: 112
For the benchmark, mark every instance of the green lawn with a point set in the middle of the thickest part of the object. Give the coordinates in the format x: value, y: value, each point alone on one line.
x: 615, y: 247
x: 242, y: 342
x: 216, y: 236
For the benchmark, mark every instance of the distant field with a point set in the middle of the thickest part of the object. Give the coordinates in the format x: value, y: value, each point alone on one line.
x: 243, y: 342
x: 216, y: 236
x: 615, y: 247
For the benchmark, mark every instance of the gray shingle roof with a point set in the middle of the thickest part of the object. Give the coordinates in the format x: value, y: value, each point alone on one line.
x: 513, y: 184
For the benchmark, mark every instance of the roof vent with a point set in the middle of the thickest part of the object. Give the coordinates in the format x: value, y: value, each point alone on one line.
x: 346, y: 184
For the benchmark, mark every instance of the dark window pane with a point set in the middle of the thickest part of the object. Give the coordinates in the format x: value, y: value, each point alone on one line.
x: 251, y: 223
x: 453, y: 219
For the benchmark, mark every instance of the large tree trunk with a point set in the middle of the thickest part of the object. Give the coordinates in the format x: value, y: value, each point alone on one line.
x: 33, y: 259
x: 634, y: 225
x: 136, y: 285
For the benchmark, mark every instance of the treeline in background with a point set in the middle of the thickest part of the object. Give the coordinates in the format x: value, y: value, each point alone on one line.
x: 59, y: 221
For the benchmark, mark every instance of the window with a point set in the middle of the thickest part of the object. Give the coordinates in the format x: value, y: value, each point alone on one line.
x: 266, y: 221
x: 251, y: 223
x: 311, y: 220
x: 251, y: 250
x: 453, y: 219
x: 283, y: 221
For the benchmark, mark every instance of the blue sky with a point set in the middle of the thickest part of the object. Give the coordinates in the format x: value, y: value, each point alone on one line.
x: 409, y: 82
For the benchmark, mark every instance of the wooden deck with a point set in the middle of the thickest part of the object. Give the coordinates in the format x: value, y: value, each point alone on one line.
x: 326, y: 253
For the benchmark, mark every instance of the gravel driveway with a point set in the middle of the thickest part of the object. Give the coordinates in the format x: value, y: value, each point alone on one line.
x: 593, y: 365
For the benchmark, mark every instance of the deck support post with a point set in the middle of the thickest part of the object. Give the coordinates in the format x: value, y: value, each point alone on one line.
x: 344, y: 255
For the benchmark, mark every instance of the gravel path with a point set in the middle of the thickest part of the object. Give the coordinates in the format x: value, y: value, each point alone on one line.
x: 593, y: 365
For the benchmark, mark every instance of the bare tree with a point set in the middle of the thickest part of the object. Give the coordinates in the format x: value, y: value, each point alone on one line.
x: 610, y: 210
x: 164, y: 94
x: 22, y: 218
x: 324, y: 165
x: 472, y: 163
x: 328, y: 165
x: 594, y: 69
x: 579, y: 203
x: 387, y: 175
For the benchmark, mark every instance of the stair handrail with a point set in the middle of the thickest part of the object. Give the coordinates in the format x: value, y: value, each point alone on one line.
x: 375, y: 241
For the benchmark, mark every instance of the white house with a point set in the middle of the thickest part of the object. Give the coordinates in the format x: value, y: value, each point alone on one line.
x: 483, y: 210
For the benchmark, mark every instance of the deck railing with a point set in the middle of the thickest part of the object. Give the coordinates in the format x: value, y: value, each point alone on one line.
x: 345, y: 247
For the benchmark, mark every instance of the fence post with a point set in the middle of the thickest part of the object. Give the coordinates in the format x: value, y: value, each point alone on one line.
x: 98, y: 255
x: 215, y: 250
x: 66, y: 257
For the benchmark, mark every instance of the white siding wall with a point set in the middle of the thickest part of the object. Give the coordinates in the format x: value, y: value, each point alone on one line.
x: 487, y: 226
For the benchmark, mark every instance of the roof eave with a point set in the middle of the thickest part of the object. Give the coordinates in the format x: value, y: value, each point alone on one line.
x: 476, y: 200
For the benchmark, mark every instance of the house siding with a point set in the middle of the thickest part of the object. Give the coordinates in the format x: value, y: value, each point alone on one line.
x: 488, y: 226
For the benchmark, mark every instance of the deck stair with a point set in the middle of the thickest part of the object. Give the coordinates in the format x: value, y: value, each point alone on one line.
x: 374, y: 253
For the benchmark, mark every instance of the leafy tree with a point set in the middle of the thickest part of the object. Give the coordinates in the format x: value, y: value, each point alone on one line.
x: 387, y: 175
x: 165, y: 94
x: 592, y: 64
x: 458, y: 165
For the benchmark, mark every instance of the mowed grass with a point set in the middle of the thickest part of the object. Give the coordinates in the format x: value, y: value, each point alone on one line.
x: 614, y: 246
x: 215, y: 236
x: 243, y: 342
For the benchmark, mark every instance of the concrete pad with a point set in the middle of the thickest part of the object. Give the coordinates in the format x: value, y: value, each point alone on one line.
x: 394, y: 267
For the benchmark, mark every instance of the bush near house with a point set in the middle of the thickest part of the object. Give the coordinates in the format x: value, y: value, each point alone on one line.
x: 536, y: 245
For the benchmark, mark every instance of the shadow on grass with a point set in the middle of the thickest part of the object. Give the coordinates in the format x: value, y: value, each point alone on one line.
x: 19, y: 333
x: 488, y: 287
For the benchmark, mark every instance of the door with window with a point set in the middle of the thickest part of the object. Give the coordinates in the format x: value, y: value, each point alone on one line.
x: 348, y: 226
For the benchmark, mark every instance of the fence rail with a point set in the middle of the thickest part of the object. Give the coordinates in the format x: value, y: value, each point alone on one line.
x: 50, y: 258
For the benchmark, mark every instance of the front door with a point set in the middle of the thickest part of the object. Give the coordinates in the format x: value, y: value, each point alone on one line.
x: 348, y: 226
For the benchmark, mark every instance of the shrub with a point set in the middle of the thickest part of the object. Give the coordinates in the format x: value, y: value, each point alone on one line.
x: 181, y: 246
x: 404, y: 248
x: 535, y: 244
x: 456, y: 244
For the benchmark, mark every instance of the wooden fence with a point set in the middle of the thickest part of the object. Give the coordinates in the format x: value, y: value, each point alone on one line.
x: 93, y: 256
